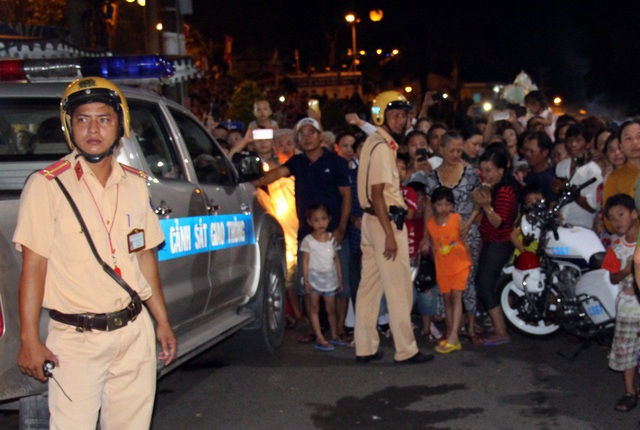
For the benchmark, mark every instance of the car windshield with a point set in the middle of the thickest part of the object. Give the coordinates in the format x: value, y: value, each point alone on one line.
x: 30, y: 130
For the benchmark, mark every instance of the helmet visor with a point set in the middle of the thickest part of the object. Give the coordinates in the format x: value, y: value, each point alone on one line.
x: 399, y: 104
x: 92, y: 95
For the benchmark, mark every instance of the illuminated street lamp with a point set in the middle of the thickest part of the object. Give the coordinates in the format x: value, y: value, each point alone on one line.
x: 351, y: 19
x: 376, y: 15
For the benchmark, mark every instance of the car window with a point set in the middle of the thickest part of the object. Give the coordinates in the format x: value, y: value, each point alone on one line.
x: 151, y: 133
x: 31, y: 130
x: 210, y: 163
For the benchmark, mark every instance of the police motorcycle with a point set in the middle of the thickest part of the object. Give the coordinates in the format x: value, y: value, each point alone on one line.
x: 562, y: 284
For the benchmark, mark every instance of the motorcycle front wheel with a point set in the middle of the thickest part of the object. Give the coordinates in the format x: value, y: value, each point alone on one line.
x: 520, y: 314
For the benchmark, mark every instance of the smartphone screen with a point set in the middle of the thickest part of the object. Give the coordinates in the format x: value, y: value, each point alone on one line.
x: 262, y: 134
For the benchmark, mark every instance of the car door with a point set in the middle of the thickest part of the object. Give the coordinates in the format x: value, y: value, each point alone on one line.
x: 184, y: 272
x: 233, y: 256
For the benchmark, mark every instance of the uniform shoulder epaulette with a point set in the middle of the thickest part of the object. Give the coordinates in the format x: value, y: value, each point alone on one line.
x: 140, y: 173
x: 388, y: 139
x: 55, y: 169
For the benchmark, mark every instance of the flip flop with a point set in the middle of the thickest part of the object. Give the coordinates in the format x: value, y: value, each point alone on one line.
x: 339, y: 342
x: 324, y: 346
x: 495, y: 341
x: 448, y: 347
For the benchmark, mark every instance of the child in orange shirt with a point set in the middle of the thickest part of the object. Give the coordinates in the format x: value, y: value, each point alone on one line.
x: 453, y: 263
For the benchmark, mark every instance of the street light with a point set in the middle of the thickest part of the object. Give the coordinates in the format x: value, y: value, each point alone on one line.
x: 351, y: 19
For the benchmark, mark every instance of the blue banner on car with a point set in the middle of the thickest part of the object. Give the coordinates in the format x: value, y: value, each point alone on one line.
x: 193, y: 235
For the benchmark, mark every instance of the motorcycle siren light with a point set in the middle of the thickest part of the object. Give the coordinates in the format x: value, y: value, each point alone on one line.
x: 527, y: 261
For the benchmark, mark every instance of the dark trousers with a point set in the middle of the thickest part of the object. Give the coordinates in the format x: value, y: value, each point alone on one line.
x: 493, y: 257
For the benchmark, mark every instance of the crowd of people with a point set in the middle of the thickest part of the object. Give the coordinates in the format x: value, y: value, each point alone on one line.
x: 451, y: 194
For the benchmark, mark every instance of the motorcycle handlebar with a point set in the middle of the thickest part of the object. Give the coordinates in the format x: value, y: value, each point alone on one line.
x: 547, y: 219
x: 571, y: 192
x: 586, y: 184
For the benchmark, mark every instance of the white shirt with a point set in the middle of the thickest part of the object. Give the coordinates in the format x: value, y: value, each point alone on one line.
x: 323, y: 274
x: 574, y: 213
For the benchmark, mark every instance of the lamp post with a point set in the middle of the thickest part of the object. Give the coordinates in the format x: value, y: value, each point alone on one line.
x: 351, y: 19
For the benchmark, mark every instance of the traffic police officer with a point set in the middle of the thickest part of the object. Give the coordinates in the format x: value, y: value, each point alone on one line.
x: 385, y: 250
x: 101, y: 343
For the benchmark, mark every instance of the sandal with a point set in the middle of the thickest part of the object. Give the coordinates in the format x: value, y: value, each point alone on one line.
x: 626, y: 403
x: 448, y: 347
x: 495, y: 341
x: 324, y: 346
x: 339, y: 342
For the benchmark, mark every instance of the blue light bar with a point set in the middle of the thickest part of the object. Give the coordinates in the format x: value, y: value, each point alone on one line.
x: 146, y: 66
x: 66, y: 69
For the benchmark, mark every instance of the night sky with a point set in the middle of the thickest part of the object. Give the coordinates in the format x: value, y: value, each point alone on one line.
x: 585, y: 51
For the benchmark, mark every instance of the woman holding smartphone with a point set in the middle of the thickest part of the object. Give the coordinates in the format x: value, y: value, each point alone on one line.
x: 419, y: 152
x: 496, y: 200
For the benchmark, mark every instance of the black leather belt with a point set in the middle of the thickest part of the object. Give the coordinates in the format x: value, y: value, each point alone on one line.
x: 369, y: 211
x: 103, y: 322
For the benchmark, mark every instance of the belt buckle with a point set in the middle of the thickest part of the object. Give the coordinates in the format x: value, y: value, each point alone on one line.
x: 132, y: 308
x: 87, y: 320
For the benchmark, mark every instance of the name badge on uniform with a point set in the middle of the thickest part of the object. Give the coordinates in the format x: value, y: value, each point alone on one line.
x: 135, y: 240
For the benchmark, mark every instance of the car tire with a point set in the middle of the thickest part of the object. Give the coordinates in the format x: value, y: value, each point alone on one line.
x: 269, y: 304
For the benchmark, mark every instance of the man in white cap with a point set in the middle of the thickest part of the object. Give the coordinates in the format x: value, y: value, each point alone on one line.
x: 321, y: 176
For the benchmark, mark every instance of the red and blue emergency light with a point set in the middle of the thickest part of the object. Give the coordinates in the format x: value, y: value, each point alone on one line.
x: 66, y: 69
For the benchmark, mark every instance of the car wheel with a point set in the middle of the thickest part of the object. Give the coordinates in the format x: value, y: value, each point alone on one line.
x: 269, y: 305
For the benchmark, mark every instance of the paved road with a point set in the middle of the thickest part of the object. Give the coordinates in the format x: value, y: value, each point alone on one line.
x: 524, y: 385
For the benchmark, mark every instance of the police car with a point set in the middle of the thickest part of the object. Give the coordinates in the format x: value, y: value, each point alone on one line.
x: 222, y: 264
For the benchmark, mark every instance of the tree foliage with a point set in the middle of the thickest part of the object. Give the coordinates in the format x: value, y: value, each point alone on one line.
x: 34, y: 12
x: 244, y: 96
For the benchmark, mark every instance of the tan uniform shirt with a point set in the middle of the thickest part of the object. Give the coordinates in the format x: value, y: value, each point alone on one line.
x: 75, y: 282
x: 378, y: 166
